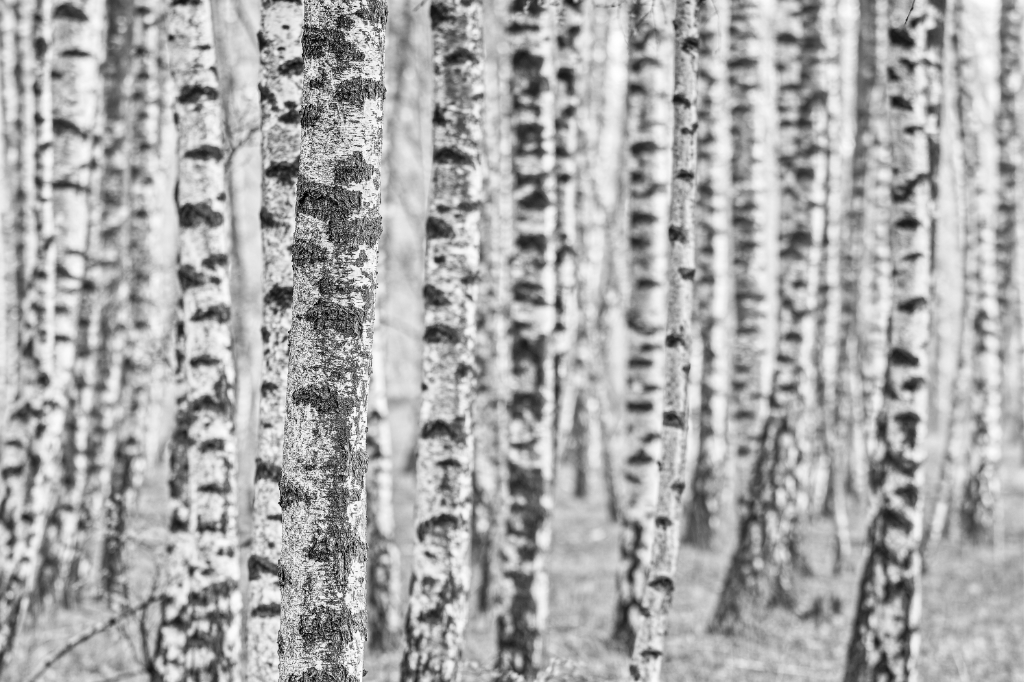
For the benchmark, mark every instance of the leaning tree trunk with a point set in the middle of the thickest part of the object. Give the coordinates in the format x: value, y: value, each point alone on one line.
x: 140, y: 355
x: 710, y: 503
x: 762, y: 570
x: 440, y: 587
x: 981, y: 513
x: 1010, y: 213
x: 200, y: 622
x: 281, y: 91
x: 649, y: 648
x: 526, y: 540
x: 334, y: 259
x: 749, y: 218
x: 649, y: 130
x: 886, y: 635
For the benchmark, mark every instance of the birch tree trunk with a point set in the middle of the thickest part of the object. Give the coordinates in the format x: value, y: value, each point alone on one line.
x: 649, y: 126
x: 649, y: 648
x: 710, y: 501
x: 199, y: 636
x: 439, y: 591
x: 140, y: 356
x: 886, y: 637
x: 981, y: 513
x: 749, y: 218
x: 531, y: 36
x: 761, y: 573
x: 281, y: 92
x: 334, y: 259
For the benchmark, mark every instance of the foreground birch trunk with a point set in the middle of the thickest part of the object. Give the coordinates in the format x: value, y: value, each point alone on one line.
x: 280, y: 94
x: 530, y: 32
x: 710, y: 503
x: 199, y: 636
x: 649, y: 133
x: 440, y: 587
x: 762, y: 570
x: 649, y: 648
x: 334, y: 259
x: 886, y: 636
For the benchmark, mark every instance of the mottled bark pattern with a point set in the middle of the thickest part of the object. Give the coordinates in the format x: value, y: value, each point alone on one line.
x: 747, y: 103
x: 280, y: 95
x: 649, y: 648
x: 334, y: 259
x: 439, y: 592
x: 886, y: 640
x: 530, y: 33
x: 762, y: 569
x: 649, y: 131
x: 200, y: 624
x: 710, y: 503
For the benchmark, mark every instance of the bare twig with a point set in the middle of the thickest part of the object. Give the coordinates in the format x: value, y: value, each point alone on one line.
x: 87, y: 635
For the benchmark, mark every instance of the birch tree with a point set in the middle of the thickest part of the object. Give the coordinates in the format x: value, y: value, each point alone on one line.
x: 199, y: 635
x: 709, y: 493
x: 762, y: 569
x: 439, y: 591
x: 649, y: 648
x: 281, y: 93
x: 334, y: 259
x: 649, y: 126
x: 886, y: 636
x: 530, y: 32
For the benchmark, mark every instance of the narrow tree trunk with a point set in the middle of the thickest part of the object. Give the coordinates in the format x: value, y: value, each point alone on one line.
x: 530, y: 32
x: 1010, y: 213
x: 749, y: 217
x: 199, y: 631
x: 280, y: 95
x: 649, y: 648
x: 439, y: 590
x: 981, y: 513
x: 762, y: 570
x: 886, y: 636
x: 337, y: 231
x: 710, y: 502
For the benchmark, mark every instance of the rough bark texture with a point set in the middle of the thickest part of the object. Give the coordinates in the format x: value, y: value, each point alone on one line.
x: 710, y: 502
x: 200, y: 621
x: 567, y: 102
x: 649, y: 647
x: 981, y: 514
x: 1010, y: 213
x: 439, y: 592
x: 530, y: 31
x: 886, y: 639
x: 649, y: 132
x: 334, y: 257
x: 280, y: 94
x: 762, y: 570
x: 140, y: 356
x: 747, y: 102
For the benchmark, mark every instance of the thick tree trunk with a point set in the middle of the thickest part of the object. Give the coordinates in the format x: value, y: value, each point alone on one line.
x: 200, y: 624
x: 710, y: 502
x: 140, y: 355
x: 762, y: 570
x: 649, y: 132
x: 886, y: 636
x: 337, y: 231
x: 530, y: 32
x: 749, y: 218
x: 649, y: 648
x: 439, y: 591
x: 280, y: 95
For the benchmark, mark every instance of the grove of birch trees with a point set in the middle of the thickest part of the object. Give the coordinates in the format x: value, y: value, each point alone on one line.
x: 511, y: 340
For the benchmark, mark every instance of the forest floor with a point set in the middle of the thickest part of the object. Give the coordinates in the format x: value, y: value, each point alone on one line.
x: 973, y: 625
